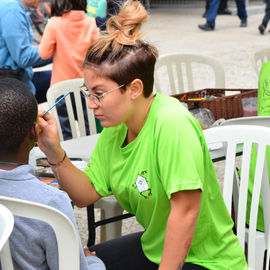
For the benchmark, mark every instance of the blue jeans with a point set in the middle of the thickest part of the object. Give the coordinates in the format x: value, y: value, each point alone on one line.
x: 213, y: 10
x: 266, y: 17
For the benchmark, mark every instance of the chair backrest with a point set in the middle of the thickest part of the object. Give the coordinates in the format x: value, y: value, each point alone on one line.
x: 259, y: 58
x: 66, y: 236
x: 176, y: 72
x: 263, y: 121
x: 246, y: 136
x: 6, y: 227
x: 251, y: 120
x: 62, y: 88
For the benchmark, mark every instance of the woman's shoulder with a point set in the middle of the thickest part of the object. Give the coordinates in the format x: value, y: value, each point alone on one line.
x: 170, y: 114
x: 167, y: 107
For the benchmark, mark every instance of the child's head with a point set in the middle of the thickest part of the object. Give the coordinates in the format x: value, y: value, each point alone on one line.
x: 60, y: 7
x: 18, y: 113
x: 120, y: 54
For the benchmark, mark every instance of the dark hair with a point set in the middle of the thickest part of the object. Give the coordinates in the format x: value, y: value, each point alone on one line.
x: 120, y: 54
x: 60, y: 7
x: 18, y: 112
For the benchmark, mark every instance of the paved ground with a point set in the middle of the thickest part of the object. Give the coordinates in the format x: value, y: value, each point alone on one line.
x: 175, y: 29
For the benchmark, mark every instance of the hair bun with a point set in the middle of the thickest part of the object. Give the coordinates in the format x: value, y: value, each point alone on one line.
x: 125, y: 27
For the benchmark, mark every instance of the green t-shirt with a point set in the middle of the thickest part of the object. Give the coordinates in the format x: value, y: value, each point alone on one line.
x: 260, y: 218
x: 263, y: 109
x: 264, y: 90
x: 168, y: 155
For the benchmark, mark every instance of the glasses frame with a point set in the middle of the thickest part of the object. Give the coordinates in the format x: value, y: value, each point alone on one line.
x: 97, y: 98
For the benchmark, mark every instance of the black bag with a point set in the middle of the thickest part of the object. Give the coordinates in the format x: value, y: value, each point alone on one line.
x: 9, y: 73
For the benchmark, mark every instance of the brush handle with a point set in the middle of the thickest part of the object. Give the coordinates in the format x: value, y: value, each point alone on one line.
x: 56, y: 103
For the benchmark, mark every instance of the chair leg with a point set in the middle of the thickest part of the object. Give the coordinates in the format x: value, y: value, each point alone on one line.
x: 260, y: 249
x: 259, y: 258
x: 91, y: 227
x: 111, y: 230
x: 110, y: 208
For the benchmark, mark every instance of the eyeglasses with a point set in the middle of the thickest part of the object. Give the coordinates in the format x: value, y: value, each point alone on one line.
x: 96, y: 98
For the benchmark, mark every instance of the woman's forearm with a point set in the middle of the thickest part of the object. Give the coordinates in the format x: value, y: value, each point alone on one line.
x: 179, y: 231
x: 75, y: 182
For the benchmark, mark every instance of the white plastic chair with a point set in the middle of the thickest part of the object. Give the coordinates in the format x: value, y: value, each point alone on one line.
x: 263, y: 121
x: 109, y: 205
x: 66, y: 236
x: 268, y: 253
x: 6, y: 227
x: 62, y: 88
x: 246, y: 135
x: 251, y: 120
x: 259, y: 58
x: 179, y: 69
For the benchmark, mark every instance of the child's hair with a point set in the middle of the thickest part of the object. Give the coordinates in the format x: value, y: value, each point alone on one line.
x: 120, y: 54
x: 18, y: 112
x: 60, y: 7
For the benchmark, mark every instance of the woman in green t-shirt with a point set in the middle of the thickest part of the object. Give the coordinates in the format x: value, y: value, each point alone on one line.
x: 151, y: 155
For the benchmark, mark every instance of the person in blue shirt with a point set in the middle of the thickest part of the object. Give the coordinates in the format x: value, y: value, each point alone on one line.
x: 16, y: 50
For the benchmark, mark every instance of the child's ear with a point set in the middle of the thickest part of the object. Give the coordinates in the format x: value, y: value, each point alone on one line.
x: 34, y: 133
x: 136, y: 88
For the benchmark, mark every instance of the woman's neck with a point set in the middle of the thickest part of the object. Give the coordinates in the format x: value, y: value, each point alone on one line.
x: 136, y: 124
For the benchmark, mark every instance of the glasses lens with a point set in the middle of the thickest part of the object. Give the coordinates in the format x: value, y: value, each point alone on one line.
x: 95, y: 99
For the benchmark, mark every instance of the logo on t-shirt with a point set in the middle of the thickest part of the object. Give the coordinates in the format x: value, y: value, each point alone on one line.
x: 142, y: 185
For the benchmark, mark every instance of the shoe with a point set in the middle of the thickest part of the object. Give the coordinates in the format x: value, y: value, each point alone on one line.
x: 261, y: 28
x: 243, y: 23
x: 225, y: 11
x: 206, y: 27
x: 204, y: 14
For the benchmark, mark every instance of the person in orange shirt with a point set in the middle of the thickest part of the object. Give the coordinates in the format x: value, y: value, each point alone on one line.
x: 67, y: 37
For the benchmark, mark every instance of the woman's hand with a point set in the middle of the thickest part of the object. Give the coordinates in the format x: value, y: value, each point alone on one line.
x: 48, y: 140
x: 87, y: 252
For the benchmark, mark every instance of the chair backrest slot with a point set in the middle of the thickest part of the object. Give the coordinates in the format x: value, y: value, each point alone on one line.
x: 176, y: 72
x: 60, y: 89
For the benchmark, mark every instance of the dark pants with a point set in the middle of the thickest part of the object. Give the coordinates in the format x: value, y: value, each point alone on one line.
x: 222, y: 6
x: 214, y: 6
x: 266, y: 17
x: 126, y: 253
x: 41, y: 80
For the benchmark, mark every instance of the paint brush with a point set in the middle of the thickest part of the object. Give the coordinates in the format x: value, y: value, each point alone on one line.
x: 56, y: 102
